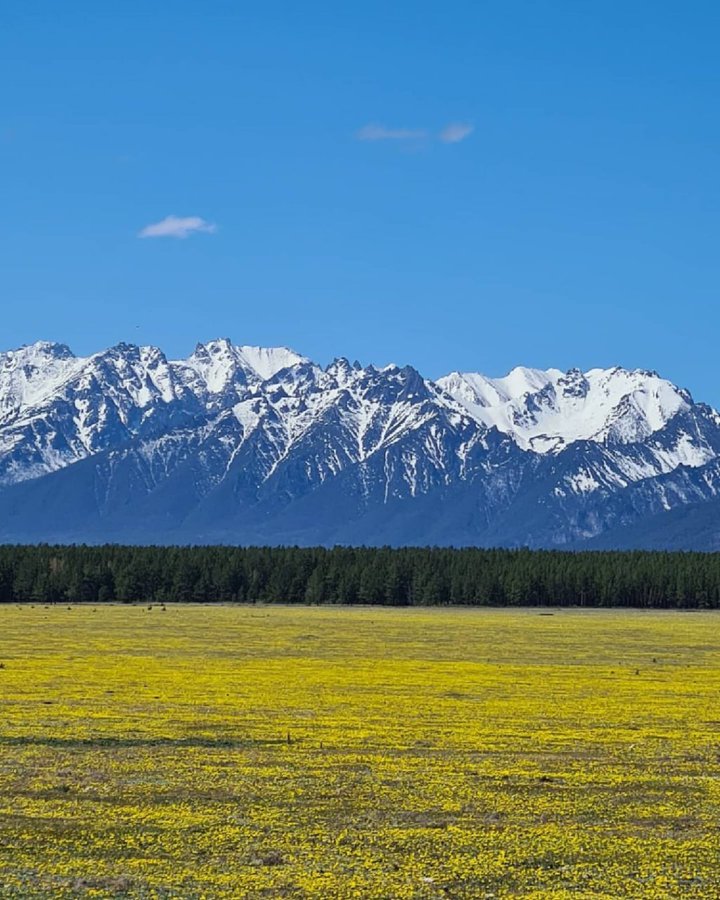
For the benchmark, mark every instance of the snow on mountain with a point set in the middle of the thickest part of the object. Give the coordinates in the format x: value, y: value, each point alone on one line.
x: 249, y: 443
x: 220, y: 364
x: 545, y: 411
x: 30, y: 374
x: 56, y: 408
x: 343, y: 415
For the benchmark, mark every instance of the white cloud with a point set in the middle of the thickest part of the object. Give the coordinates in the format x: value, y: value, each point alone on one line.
x: 177, y: 227
x: 450, y: 134
x: 381, y: 133
x: 455, y: 132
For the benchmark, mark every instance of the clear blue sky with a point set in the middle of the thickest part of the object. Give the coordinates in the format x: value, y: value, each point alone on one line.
x: 577, y: 224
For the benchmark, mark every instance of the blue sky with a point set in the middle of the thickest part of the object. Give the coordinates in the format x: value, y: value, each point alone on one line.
x: 576, y: 224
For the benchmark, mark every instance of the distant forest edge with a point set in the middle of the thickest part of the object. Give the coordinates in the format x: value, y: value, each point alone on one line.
x: 358, y: 575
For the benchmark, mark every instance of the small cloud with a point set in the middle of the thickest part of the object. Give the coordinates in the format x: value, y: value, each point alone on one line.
x: 381, y: 133
x: 177, y: 227
x: 455, y: 132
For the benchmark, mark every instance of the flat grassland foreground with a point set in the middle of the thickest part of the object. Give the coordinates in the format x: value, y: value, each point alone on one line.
x: 372, y: 753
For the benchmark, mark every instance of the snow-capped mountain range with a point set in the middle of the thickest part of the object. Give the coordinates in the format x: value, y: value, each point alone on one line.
x: 239, y: 444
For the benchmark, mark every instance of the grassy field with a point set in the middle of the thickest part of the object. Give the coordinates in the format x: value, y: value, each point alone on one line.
x: 371, y: 753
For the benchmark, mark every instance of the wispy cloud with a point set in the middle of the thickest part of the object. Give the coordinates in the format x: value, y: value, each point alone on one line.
x: 455, y: 132
x: 177, y: 227
x: 450, y: 134
x: 381, y: 133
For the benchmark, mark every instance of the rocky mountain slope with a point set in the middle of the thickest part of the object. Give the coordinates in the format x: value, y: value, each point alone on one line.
x: 253, y: 445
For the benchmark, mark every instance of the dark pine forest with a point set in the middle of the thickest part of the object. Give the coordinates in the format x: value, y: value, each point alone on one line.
x: 358, y: 575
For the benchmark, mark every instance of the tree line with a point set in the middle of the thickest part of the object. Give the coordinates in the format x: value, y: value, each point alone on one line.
x: 358, y: 575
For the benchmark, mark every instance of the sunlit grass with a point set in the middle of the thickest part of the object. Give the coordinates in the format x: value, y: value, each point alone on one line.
x: 371, y: 753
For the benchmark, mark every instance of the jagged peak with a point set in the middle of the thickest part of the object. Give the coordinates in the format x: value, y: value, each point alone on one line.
x: 263, y: 362
x: 268, y: 361
x: 545, y: 410
x: 39, y: 350
x: 339, y: 364
x: 32, y: 372
x: 222, y: 364
x: 541, y: 409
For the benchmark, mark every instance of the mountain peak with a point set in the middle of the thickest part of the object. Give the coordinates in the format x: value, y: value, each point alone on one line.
x: 31, y: 372
x: 250, y: 443
x: 268, y: 361
x: 39, y: 350
x: 545, y: 410
x: 220, y: 363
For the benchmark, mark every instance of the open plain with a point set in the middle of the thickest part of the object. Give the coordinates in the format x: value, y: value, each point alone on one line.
x: 275, y: 751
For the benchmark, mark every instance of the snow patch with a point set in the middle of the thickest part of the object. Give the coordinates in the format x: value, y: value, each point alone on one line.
x: 546, y: 410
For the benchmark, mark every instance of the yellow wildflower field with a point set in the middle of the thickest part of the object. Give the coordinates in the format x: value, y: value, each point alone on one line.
x: 334, y: 752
